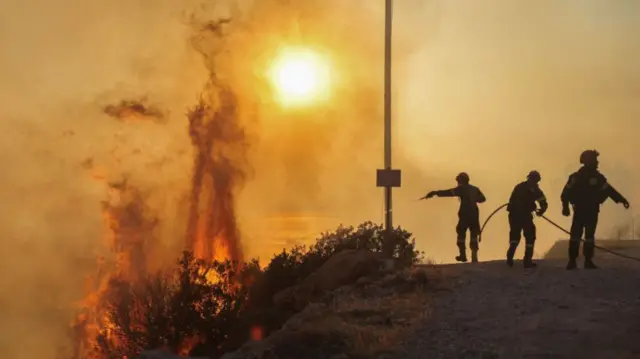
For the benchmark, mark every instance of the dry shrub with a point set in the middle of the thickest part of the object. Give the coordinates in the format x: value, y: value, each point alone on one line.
x: 291, y: 266
x: 209, y: 308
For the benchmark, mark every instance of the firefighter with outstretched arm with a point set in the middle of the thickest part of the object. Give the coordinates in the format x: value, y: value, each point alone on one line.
x: 585, y: 191
x: 468, y: 214
x: 522, y: 204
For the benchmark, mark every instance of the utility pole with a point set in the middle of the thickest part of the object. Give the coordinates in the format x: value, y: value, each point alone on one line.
x: 388, y: 177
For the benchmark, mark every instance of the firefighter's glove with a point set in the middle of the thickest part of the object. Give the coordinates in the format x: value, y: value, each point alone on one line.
x: 430, y: 195
x: 540, y: 212
x: 565, y: 211
x: 626, y: 204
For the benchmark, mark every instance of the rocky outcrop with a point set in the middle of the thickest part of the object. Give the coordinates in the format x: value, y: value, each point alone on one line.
x: 162, y: 354
x: 358, y: 320
x: 343, y: 268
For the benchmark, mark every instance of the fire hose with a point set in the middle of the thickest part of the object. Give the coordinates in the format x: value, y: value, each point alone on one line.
x: 558, y: 227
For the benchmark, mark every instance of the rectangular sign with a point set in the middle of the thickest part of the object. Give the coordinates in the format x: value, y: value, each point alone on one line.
x: 388, y: 178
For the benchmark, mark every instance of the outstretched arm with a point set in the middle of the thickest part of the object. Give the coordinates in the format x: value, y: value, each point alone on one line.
x: 611, y: 192
x: 452, y: 192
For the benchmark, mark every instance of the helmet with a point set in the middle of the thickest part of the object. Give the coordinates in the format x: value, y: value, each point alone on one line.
x: 534, y: 176
x: 589, y: 157
x: 462, y: 177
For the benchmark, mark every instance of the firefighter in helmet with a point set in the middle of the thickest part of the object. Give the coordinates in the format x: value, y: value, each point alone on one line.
x: 585, y: 191
x: 468, y: 214
x: 522, y: 204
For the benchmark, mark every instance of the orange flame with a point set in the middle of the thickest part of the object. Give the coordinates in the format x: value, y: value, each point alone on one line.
x: 126, y: 231
x: 187, y: 345
x: 212, y: 228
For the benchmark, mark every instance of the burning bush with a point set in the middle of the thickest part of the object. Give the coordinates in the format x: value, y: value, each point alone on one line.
x: 196, y: 303
x: 209, y: 308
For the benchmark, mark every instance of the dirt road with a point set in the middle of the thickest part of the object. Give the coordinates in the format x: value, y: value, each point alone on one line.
x: 491, y: 311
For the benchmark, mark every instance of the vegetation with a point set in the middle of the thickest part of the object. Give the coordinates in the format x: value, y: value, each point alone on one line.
x: 207, y: 309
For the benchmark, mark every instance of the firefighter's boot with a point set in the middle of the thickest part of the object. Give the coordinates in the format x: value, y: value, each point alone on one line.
x: 513, y: 245
x: 474, y: 248
x: 528, y: 256
x: 462, y: 257
x: 574, y: 249
x: 589, y: 249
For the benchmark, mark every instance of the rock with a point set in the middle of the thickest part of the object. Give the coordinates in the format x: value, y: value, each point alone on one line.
x: 388, y: 265
x: 310, y: 313
x: 365, y: 281
x: 286, y: 297
x: 251, y: 350
x: 341, y: 269
x: 162, y: 354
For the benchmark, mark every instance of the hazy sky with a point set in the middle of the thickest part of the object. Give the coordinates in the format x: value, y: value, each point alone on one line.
x: 495, y: 88
x: 504, y: 87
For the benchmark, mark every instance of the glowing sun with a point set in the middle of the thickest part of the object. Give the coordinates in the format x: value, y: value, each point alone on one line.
x: 300, y: 77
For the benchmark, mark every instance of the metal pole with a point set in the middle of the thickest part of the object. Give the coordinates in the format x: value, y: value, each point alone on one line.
x: 387, y: 125
x: 387, y: 109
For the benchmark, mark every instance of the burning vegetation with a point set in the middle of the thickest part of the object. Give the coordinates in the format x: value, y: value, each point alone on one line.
x: 129, y: 308
x: 212, y: 299
x: 181, y: 310
x: 130, y: 233
x: 219, y: 146
x: 200, y: 305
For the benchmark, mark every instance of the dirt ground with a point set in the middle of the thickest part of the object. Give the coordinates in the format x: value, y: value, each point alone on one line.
x: 488, y: 310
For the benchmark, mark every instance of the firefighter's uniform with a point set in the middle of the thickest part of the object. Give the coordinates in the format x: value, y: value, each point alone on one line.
x: 468, y: 214
x: 586, y: 190
x: 522, y: 204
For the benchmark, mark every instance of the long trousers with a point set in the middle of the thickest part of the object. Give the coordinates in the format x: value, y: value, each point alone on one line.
x: 584, y: 223
x: 469, y: 223
x: 521, y: 224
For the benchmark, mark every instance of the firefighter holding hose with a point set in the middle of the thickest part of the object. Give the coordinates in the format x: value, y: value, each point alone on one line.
x: 522, y: 204
x: 585, y: 191
x: 468, y: 214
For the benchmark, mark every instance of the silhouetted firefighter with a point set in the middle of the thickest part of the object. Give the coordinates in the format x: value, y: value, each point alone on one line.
x: 468, y: 214
x: 586, y: 190
x: 522, y: 204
